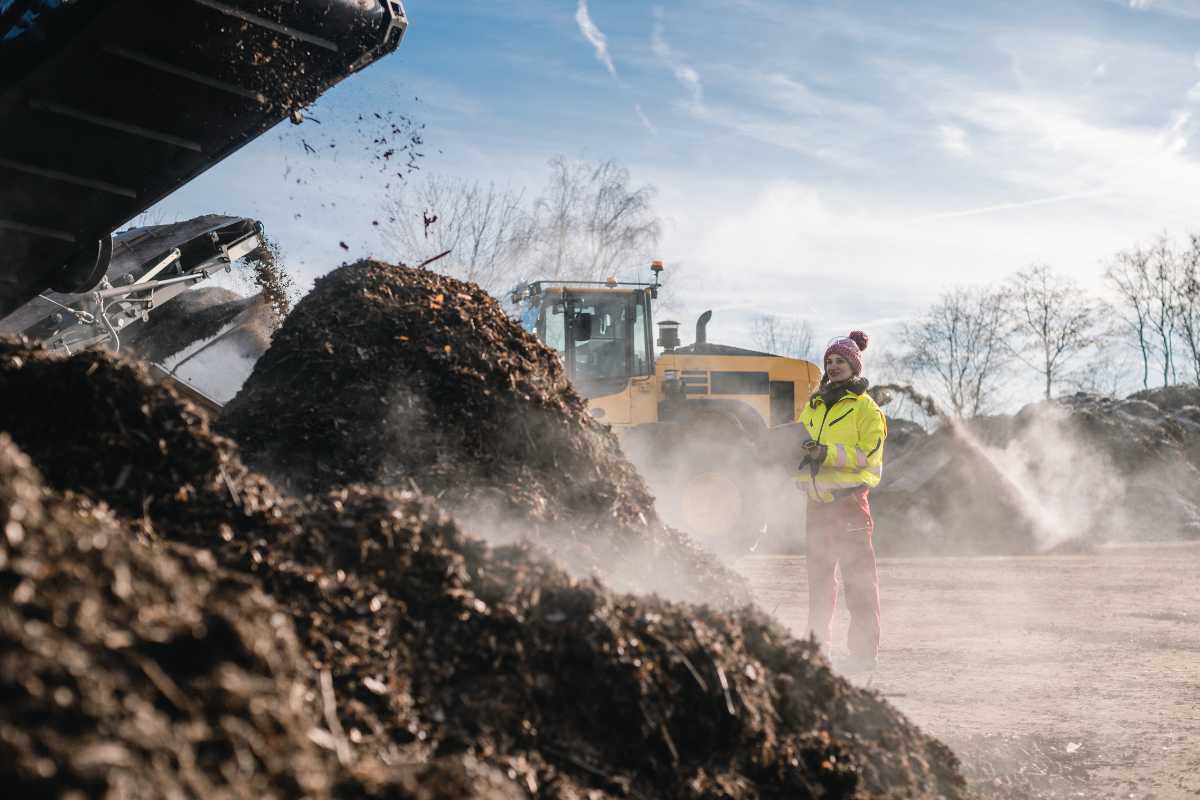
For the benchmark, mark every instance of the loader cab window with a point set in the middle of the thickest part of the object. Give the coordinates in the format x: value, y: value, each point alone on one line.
x: 599, y: 337
x: 554, y: 327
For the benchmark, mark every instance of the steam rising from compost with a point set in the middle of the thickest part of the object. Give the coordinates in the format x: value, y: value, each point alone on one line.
x: 1061, y: 486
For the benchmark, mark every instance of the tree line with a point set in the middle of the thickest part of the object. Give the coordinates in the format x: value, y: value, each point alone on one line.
x: 590, y: 222
x: 972, y: 342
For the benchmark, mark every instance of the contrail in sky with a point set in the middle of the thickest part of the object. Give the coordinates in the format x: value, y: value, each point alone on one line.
x: 593, y: 34
x: 1042, y: 201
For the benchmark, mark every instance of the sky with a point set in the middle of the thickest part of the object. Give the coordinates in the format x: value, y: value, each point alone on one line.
x: 840, y: 162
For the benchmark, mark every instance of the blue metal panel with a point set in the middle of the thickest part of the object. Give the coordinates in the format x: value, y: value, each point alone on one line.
x: 26, y: 16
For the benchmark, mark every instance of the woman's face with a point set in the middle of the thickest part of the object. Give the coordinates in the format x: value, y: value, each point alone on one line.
x: 837, y: 368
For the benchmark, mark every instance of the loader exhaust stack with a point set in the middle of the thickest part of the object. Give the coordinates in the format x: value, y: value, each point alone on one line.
x: 702, y: 327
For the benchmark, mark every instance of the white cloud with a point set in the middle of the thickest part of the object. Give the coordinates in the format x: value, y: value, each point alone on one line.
x: 1188, y: 9
x: 1052, y: 149
x: 645, y: 120
x: 791, y: 124
x: 683, y: 72
x: 594, y: 35
x: 791, y: 96
x: 954, y: 140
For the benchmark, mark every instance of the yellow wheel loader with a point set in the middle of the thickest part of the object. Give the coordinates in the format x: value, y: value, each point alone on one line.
x: 695, y: 419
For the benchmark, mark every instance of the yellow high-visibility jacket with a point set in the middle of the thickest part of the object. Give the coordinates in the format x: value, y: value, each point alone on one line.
x: 854, y: 430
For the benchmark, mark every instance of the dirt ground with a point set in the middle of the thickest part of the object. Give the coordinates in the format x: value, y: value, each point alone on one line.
x: 1050, y: 676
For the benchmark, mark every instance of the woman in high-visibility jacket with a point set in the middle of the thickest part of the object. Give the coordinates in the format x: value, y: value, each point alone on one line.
x: 842, y: 463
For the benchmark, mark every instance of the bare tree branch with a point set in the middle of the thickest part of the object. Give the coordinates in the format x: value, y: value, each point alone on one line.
x: 1187, y: 290
x: 1053, y: 322
x: 588, y: 224
x: 1129, y: 274
x: 1148, y: 282
x: 1164, y: 306
x: 781, y: 336
x: 959, y: 344
x: 483, y: 227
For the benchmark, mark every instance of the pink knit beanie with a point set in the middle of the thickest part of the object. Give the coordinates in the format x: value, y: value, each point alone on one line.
x: 850, y: 349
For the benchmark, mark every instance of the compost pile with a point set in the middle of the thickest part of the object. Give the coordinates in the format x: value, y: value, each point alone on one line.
x: 140, y: 670
x: 400, y: 377
x: 1106, y: 469
x: 359, y: 643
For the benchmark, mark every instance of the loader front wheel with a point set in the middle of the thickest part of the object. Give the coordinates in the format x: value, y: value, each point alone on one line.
x: 719, y: 500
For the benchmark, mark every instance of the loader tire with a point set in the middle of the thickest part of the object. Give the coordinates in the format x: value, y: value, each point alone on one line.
x: 715, y: 498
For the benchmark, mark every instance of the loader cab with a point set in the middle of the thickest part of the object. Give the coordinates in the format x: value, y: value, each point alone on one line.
x: 603, y: 333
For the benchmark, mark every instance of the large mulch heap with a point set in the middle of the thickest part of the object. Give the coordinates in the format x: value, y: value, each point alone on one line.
x: 211, y: 636
x: 140, y: 670
x: 401, y: 377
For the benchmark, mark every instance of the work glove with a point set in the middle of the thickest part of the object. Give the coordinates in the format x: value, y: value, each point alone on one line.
x: 814, y: 453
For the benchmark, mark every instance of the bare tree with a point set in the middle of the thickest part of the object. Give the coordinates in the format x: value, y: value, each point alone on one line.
x: 1188, y: 293
x: 886, y: 365
x: 1054, y: 322
x: 486, y: 229
x: 1105, y: 369
x: 590, y: 224
x: 1149, y: 282
x: 959, y: 344
x: 782, y: 336
x: 1129, y: 275
x: 1164, y: 269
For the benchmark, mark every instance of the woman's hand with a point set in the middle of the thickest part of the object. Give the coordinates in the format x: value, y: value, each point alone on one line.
x: 814, y: 453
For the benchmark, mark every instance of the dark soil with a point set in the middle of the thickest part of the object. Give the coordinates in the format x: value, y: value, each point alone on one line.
x: 360, y: 644
x: 400, y: 377
x: 139, y: 670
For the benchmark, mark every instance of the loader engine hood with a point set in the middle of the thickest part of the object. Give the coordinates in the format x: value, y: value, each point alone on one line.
x: 110, y: 105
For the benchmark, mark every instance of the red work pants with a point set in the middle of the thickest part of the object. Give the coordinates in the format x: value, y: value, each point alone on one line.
x: 839, y: 534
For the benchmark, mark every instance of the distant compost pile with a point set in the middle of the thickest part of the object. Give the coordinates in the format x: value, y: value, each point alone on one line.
x: 1087, y: 469
x: 401, y: 377
x: 171, y: 624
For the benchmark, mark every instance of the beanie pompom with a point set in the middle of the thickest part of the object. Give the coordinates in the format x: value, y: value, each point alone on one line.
x: 860, y: 339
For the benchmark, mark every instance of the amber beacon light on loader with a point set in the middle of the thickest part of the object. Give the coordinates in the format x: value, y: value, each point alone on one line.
x: 698, y: 420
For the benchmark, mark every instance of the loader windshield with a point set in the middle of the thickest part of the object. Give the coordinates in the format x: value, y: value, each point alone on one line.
x: 601, y: 336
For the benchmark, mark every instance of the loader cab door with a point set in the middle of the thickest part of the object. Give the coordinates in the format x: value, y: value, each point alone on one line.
x: 605, y: 341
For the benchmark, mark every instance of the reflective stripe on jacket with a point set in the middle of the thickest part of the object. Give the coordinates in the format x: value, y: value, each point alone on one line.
x: 853, y: 429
